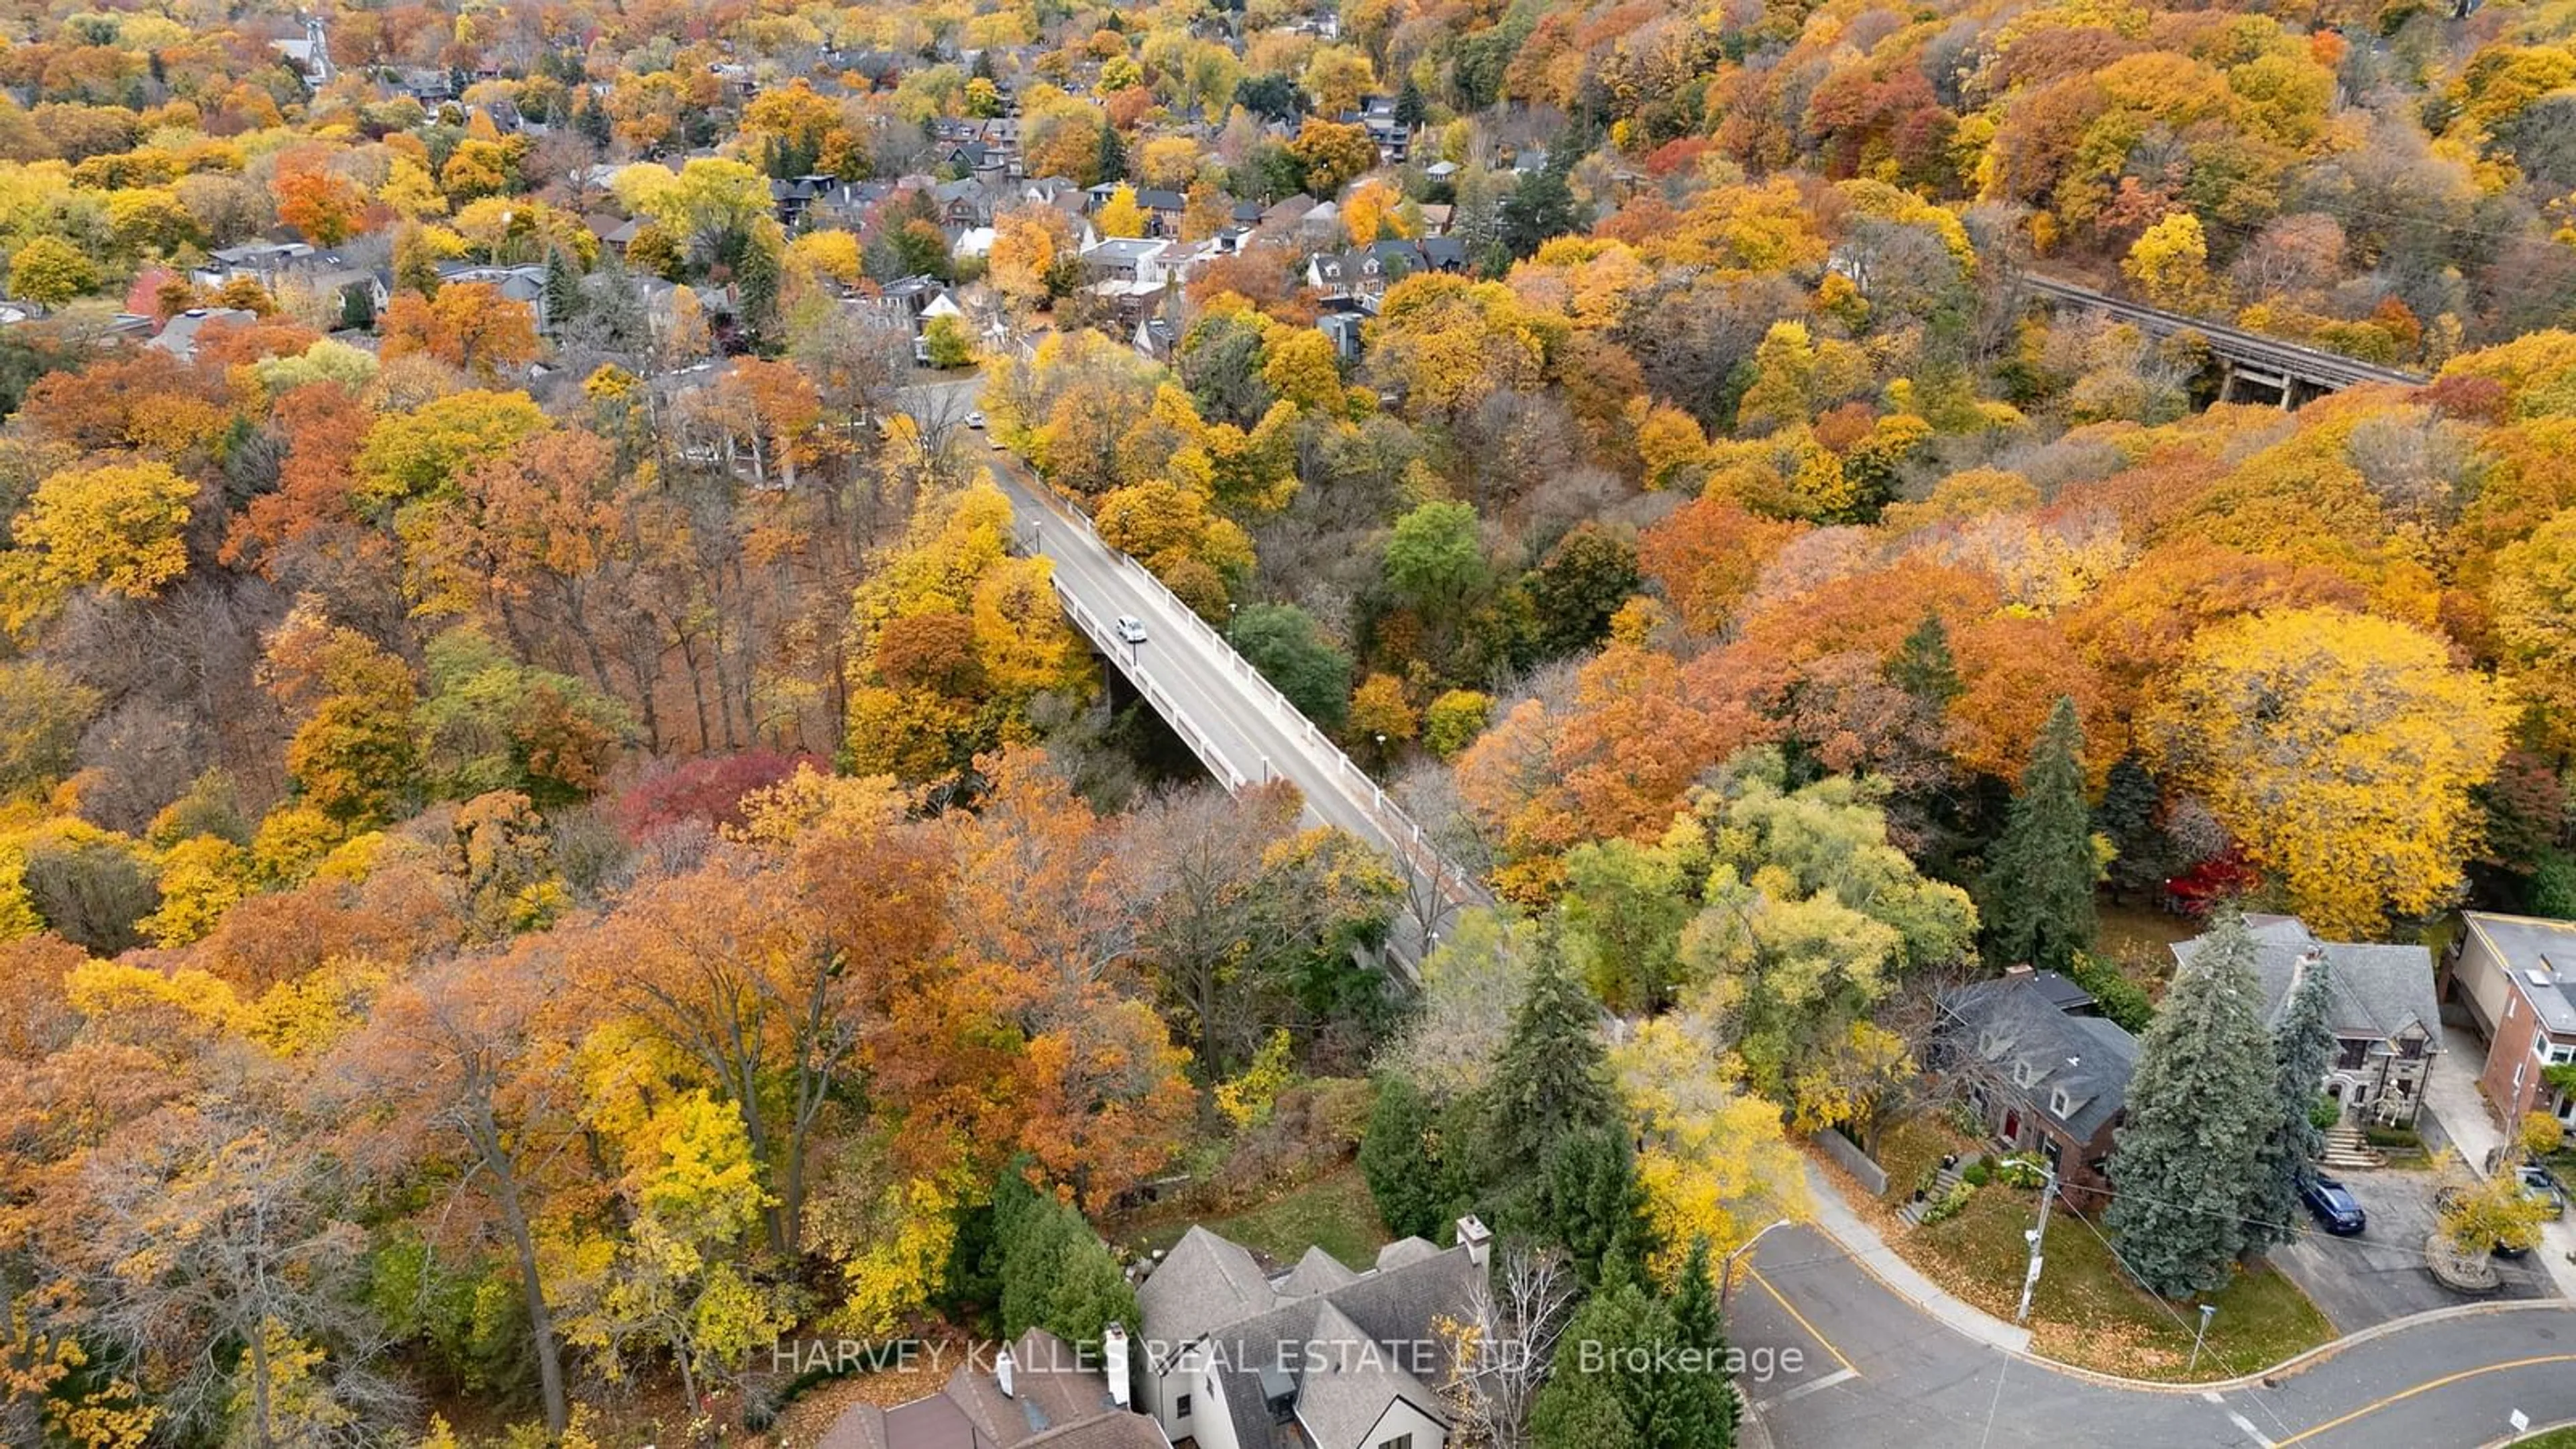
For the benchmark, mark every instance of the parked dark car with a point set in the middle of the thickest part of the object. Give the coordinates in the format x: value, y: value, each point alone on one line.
x: 2539, y: 1184
x: 2334, y: 1206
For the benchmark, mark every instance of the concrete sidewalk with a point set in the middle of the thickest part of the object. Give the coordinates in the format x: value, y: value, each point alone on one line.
x: 2451, y: 1091
x: 1862, y: 1243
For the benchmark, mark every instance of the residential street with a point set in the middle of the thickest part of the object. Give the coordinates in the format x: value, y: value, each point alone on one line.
x: 1878, y: 1371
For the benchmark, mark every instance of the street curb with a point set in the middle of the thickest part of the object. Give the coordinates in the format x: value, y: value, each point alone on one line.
x: 2529, y: 1434
x: 2295, y: 1363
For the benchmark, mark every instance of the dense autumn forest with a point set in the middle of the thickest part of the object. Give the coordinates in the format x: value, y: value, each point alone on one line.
x: 551, y: 842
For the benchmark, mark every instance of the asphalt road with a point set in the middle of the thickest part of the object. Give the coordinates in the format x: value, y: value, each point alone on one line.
x: 1219, y: 705
x: 1873, y: 1371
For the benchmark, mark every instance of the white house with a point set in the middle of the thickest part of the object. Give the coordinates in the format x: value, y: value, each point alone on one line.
x: 1319, y: 1357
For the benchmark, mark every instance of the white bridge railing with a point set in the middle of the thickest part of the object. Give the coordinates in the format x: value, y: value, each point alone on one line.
x: 1399, y: 832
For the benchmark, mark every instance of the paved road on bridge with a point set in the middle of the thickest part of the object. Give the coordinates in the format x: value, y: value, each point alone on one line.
x: 2274, y: 360
x: 1231, y: 717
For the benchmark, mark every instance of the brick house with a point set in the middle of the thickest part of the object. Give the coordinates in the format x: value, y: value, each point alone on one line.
x: 2515, y: 976
x: 2042, y: 1070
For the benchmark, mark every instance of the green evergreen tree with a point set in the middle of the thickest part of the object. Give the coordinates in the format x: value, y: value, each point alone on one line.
x: 756, y: 283
x: 1056, y: 1274
x: 563, y: 289
x: 1587, y: 1200
x: 2127, y: 818
x: 1628, y: 1374
x: 1405, y: 1177
x: 2302, y: 1045
x: 1112, y: 162
x: 1704, y: 1399
x: 1924, y: 667
x: 2039, y: 883
x: 591, y: 119
x: 1552, y: 1079
x: 1410, y: 112
x: 2201, y: 1102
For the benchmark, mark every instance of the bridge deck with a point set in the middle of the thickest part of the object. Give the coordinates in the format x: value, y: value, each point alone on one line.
x: 1233, y: 719
x: 2311, y: 365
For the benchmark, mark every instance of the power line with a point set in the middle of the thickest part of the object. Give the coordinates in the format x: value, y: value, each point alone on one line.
x: 2179, y: 1322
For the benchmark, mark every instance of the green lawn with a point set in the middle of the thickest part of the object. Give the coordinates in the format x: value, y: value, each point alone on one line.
x: 2086, y: 1311
x: 2564, y: 1438
x: 1333, y: 1212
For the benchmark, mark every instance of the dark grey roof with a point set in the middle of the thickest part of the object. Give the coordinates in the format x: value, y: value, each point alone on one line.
x: 1058, y: 1398
x: 1373, y: 1337
x: 2373, y: 990
x: 1349, y: 1382
x: 1154, y: 198
x: 2063, y: 994
x: 1447, y: 253
x: 2010, y: 1024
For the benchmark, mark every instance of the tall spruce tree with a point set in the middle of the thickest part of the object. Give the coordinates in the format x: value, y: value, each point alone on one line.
x: 1407, y: 1181
x: 2301, y: 1046
x: 1588, y: 1201
x: 563, y: 289
x: 1111, y: 161
x: 1925, y: 668
x: 1695, y: 1322
x: 2039, y: 882
x: 2127, y: 818
x: 2201, y: 1104
x: 1628, y: 1375
x: 1552, y: 1079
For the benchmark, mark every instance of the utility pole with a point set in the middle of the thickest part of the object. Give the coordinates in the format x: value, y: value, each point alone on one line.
x: 2037, y: 1236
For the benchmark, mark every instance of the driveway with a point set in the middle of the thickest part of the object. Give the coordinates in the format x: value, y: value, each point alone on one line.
x: 2451, y: 1095
x: 2363, y: 1281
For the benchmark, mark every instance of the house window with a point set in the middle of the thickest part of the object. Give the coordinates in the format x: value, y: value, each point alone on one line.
x: 2024, y: 1074
x: 2411, y: 1049
x: 2058, y: 1105
x: 2351, y: 1053
x: 1400, y: 1441
x: 1181, y: 1407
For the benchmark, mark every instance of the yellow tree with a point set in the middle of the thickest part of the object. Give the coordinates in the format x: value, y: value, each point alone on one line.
x: 1714, y: 1160
x: 1026, y: 243
x: 2170, y: 262
x: 2533, y: 595
x: 1299, y: 366
x: 1370, y: 214
x: 1120, y: 215
x: 2341, y: 750
x: 1448, y: 343
x: 118, y: 526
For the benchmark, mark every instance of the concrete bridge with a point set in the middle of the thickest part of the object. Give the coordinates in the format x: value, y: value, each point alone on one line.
x: 2248, y: 361
x: 1238, y: 724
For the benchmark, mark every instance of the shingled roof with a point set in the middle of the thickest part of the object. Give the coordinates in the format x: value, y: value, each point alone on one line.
x: 2012, y: 1025
x: 2371, y: 990
x: 1345, y: 1349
